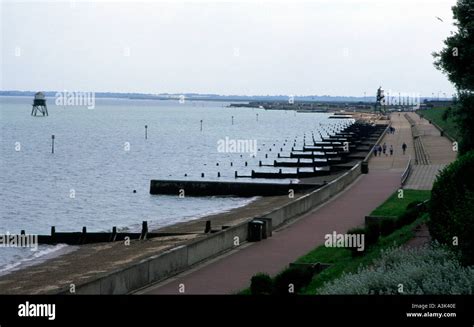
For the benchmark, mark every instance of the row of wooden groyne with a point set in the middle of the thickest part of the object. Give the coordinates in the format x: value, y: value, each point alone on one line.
x: 323, y: 156
x: 300, y: 168
x: 296, y: 170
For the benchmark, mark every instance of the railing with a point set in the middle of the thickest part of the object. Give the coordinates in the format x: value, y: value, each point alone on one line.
x: 371, y: 150
x: 406, y: 173
x: 421, y: 156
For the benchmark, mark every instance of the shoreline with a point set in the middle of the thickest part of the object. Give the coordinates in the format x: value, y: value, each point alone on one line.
x: 62, y: 249
x: 87, y: 262
x: 50, y: 253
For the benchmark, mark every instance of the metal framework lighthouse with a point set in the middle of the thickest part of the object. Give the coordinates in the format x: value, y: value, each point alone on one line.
x: 39, y: 105
x: 380, y: 100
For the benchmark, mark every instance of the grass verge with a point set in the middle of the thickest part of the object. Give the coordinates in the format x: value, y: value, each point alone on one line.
x: 395, y: 206
x: 436, y: 115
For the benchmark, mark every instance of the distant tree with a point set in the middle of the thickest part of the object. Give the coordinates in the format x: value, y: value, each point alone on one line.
x: 456, y: 60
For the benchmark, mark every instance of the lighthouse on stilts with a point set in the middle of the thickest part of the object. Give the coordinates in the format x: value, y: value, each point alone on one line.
x: 39, y: 105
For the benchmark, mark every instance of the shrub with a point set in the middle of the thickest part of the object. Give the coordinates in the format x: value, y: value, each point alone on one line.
x: 414, y: 205
x: 294, y: 278
x: 446, y: 114
x: 261, y: 284
x: 372, y: 233
x: 464, y: 216
x: 387, y: 226
x: 404, y: 219
x: 413, y: 211
x: 427, y: 270
x: 451, y: 206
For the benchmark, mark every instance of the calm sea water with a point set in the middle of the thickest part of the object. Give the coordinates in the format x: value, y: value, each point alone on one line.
x: 101, y: 156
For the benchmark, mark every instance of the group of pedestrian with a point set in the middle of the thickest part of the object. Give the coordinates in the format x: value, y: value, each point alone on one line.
x: 382, y: 149
x: 379, y: 150
x: 391, y: 130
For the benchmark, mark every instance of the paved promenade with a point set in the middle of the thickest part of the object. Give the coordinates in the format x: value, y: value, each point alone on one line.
x: 398, y: 161
x: 422, y: 177
x: 439, y: 150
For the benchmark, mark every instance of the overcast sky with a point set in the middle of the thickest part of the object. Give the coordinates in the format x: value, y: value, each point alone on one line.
x: 334, y: 47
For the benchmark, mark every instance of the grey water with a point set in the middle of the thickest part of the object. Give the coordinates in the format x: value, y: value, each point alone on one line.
x: 101, y: 156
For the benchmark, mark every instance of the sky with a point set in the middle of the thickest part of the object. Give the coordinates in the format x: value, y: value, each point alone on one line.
x: 247, y: 47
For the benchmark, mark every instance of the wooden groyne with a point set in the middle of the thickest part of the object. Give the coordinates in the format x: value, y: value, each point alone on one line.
x: 244, y: 189
x: 340, y: 151
x: 85, y: 237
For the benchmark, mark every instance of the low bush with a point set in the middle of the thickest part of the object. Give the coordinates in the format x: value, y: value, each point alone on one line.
x: 414, y: 210
x: 387, y: 226
x: 261, y: 284
x: 372, y: 233
x: 428, y: 270
x: 292, y: 280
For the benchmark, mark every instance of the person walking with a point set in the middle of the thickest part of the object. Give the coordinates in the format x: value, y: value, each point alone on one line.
x: 375, y: 150
x: 384, y: 148
x: 404, y: 147
x: 391, y: 150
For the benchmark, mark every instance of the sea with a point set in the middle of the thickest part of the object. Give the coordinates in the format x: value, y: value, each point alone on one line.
x: 104, y: 158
